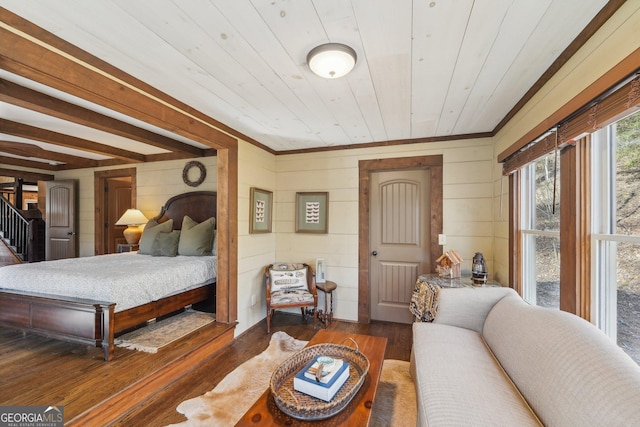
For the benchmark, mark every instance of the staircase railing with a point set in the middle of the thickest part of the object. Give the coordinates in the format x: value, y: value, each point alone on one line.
x: 24, y: 236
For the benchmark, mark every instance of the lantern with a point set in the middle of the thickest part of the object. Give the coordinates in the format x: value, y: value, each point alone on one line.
x: 479, y: 269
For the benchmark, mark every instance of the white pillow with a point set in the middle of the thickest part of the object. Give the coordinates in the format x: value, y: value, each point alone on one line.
x: 287, y: 279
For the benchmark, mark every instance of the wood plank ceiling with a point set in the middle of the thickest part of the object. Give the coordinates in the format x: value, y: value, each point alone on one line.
x: 426, y: 70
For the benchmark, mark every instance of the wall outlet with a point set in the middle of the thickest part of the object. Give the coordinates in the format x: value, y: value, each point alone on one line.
x: 253, y: 300
x: 442, y: 239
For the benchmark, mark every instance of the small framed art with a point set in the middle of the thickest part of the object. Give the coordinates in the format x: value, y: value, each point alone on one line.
x: 261, y: 208
x: 312, y: 212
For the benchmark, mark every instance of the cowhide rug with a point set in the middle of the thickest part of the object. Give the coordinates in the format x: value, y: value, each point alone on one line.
x: 395, y: 403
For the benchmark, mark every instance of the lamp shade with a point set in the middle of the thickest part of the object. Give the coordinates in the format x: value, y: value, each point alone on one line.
x: 132, y: 217
x: 331, y: 60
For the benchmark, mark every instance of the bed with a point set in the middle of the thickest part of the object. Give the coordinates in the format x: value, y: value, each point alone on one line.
x: 96, y: 318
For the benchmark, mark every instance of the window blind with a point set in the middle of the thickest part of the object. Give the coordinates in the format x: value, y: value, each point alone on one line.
x: 606, y: 109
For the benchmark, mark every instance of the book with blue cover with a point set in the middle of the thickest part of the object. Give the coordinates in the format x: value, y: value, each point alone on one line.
x: 317, y: 389
x: 328, y: 371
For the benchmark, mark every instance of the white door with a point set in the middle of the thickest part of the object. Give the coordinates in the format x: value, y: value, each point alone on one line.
x: 61, y: 221
x: 399, y: 240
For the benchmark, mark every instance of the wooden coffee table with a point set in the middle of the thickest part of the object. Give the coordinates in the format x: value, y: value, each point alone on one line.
x: 264, y: 411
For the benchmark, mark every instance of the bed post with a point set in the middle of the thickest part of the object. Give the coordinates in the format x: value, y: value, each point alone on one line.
x: 105, y: 316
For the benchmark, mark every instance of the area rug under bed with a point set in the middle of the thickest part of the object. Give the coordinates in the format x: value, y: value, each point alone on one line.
x: 156, y: 335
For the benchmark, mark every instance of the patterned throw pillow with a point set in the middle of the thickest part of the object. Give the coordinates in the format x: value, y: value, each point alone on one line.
x: 288, y: 277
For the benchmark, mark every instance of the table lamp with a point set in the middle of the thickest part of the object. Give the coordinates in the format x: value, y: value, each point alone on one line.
x: 132, y: 218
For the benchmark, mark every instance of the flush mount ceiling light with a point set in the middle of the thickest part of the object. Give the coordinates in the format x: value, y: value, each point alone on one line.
x: 331, y: 60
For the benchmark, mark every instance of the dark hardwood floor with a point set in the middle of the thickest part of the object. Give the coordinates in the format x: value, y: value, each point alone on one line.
x: 41, y: 371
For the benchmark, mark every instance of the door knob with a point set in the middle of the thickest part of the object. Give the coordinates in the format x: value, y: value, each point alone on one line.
x: 374, y: 253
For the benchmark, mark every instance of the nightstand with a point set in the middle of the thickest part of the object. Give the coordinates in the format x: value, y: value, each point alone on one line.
x: 126, y: 247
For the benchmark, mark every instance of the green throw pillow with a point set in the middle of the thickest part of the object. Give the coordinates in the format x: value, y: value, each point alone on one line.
x: 196, y: 239
x: 150, y: 232
x: 166, y: 244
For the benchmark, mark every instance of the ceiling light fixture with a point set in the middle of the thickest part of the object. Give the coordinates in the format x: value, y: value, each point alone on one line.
x: 331, y: 60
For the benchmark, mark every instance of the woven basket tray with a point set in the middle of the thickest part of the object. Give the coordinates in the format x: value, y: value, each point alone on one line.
x: 304, y: 407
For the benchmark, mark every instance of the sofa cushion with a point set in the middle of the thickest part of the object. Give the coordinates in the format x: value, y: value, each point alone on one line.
x: 459, y: 382
x: 568, y: 370
x: 468, y: 307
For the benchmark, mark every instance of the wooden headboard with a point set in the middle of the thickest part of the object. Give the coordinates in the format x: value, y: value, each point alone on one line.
x: 199, y: 205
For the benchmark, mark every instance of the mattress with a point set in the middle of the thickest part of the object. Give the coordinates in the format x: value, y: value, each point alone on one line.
x: 127, y: 279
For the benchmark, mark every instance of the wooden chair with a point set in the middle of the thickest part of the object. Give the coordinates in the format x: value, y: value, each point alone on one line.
x: 290, y: 286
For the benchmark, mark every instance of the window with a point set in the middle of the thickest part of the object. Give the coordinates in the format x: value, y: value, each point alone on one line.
x: 616, y: 232
x: 540, y: 228
x: 587, y: 260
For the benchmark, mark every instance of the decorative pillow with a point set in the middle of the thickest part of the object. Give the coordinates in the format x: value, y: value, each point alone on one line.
x: 150, y: 232
x: 196, y: 239
x: 288, y: 277
x: 214, y: 250
x: 424, y: 301
x: 166, y: 244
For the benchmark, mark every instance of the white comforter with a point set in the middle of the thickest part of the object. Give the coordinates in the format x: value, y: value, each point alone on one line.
x: 128, y: 279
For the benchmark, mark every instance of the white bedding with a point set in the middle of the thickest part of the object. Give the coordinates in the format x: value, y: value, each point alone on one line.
x: 128, y: 279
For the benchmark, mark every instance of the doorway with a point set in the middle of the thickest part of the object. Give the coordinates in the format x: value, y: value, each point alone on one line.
x: 61, y: 219
x: 114, y: 193
x: 400, y: 237
x: 431, y: 220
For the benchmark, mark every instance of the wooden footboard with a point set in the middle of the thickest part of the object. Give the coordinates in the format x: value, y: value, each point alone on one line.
x: 85, y: 321
x: 75, y: 320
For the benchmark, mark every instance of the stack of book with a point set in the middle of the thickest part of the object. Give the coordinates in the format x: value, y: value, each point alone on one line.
x: 323, y: 386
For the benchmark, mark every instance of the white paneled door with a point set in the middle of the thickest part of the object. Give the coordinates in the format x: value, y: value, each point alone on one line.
x: 61, y: 219
x: 400, y: 242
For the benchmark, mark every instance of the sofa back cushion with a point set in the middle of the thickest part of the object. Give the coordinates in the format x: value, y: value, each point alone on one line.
x: 569, y: 372
x: 468, y: 307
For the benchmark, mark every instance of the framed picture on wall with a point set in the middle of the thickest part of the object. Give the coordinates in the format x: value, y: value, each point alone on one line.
x: 312, y: 212
x: 261, y: 208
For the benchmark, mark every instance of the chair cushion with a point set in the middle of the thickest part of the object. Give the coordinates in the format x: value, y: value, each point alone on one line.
x: 286, y: 277
x: 295, y: 296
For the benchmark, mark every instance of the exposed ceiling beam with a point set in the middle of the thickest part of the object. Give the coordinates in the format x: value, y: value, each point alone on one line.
x: 27, y: 176
x: 38, y: 134
x: 34, y: 151
x: 33, y: 100
x: 56, y: 63
x: 28, y: 163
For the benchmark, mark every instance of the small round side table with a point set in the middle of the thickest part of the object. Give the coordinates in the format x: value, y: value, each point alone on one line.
x: 326, y: 316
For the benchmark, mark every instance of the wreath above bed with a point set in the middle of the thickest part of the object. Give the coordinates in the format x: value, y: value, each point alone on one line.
x: 188, y: 167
